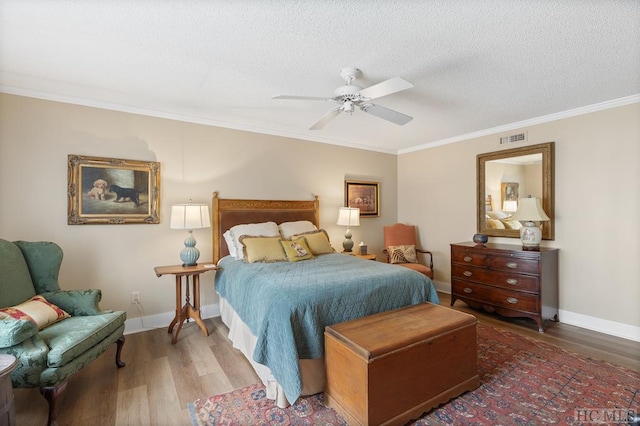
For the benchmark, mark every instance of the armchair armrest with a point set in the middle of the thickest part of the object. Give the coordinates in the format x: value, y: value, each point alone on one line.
x: 430, y: 256
x: 14, y: 332
x: 76, y: 302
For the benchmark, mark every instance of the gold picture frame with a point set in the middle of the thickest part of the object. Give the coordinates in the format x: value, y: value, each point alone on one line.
x: 112, y: 191
x: 363, y: 195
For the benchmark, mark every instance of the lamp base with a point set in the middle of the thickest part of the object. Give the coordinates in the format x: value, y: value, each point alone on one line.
x: 347, y: 244
x: 189, y: 254
x: 531, y: 236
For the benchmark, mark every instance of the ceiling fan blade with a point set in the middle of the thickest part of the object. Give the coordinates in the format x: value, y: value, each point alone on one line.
x: 325, y: 119
x: 387, y: 87
x: 386, y: 114
x: 302, y: 98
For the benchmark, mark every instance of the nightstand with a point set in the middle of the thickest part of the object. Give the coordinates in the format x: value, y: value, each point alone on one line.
x: 369, y: 256
x: 188, y: 310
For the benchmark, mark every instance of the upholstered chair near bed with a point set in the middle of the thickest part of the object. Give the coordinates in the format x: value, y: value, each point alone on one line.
x: 400, y: 248
x: 53, y: 333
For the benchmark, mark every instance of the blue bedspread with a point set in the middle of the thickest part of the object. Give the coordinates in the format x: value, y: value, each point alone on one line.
x: 288, y: 304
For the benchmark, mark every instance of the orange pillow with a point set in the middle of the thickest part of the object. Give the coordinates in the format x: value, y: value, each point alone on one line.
x: 37, y: 310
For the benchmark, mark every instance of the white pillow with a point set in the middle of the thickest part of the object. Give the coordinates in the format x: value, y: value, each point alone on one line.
x: 228, y: 238
x: 265, y: 229
x: 289, y: 229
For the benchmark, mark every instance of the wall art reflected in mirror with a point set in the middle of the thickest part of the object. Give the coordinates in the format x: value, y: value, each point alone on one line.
x: 505, y: 177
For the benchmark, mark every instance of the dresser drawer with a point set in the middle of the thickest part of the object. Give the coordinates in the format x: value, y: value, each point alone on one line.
x: 514, y: 264
x: 495, y: 296
x: 461, y: 255
x: 506, y: 280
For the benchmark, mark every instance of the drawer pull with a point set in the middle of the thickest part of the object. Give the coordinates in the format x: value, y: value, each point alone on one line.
x: 467, y: 290
x: 512, y: 281
x: 467, y: 258
x: 512, y: 265
x: 512, y: 300
x: 467, y: 273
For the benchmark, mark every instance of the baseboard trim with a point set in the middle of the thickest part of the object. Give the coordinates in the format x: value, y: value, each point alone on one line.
x: 150, y: 322
x: 613, y: 328
x: 587, y: 322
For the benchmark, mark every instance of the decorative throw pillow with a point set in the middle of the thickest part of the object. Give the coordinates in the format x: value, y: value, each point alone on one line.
x: 318, y: 241
x: 402, y: 254
x: 36, y: 309
x: 264, y: 229
x: 296, y: 249
x: 262, y: 249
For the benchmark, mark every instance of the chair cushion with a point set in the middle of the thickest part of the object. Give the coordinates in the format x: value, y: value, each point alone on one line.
x: 419, y: 267
x: 73, y: 336
x: 15, y: 282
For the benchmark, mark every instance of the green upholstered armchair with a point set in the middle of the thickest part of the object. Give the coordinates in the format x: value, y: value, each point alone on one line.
x: 49, y: 354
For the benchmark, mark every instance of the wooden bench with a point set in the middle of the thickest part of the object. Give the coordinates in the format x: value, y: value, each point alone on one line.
x: 392, y: 367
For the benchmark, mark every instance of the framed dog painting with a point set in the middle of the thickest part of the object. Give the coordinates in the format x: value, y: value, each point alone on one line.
x: 112, y: 191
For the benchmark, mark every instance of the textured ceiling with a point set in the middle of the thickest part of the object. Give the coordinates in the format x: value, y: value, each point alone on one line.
x: 477, y: 66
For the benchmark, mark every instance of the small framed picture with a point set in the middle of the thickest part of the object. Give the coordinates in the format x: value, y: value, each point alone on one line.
x: 110, y: 191
x: 363, y: 195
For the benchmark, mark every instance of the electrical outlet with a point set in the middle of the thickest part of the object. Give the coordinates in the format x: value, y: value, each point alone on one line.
x: 135, y: 297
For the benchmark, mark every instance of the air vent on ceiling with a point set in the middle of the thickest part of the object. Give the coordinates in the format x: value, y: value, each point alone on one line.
x: 520, y: 137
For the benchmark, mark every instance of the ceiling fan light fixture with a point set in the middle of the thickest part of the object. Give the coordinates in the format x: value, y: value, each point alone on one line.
x: 347, y: 107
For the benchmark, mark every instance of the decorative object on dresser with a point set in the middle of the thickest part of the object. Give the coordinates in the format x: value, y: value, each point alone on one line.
x: 348, y: 216
x: 190, y: 216
x: 506, y: 279
x: 400, y: 238
x: 480, y: 238
x: 530, y: 211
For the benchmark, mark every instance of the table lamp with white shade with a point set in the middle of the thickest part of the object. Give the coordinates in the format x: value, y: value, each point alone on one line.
x: 529, y: 211
x: 190, y: 216
x: 348, y: 216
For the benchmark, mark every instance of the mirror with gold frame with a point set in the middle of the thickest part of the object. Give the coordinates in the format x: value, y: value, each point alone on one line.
x: 504, y: 177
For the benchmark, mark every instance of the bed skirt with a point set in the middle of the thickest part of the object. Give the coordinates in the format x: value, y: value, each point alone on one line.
x: 312, y: 370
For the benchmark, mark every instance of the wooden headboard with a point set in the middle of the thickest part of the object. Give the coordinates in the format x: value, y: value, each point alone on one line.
x: 227, y: 213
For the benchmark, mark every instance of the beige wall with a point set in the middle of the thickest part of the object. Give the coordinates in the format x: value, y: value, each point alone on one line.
x: 597, y: 208
x: 36, y: 136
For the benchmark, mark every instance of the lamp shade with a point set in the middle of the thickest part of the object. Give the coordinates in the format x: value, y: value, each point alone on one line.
x: 509, y: 206
x: 530, y: 209
x: 190, y: 216
x: 348, y: 216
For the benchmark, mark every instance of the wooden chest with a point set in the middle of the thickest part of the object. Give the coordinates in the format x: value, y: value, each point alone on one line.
x: 391, y: 367
x: 506, y: 279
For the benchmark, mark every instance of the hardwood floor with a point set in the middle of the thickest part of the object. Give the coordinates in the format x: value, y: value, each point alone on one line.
x: 160, y: 378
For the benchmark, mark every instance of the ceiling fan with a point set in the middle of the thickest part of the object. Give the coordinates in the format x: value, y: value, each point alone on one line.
x: 350, y: 96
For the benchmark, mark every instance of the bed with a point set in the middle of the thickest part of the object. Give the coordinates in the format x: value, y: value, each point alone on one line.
x: 276, y: 311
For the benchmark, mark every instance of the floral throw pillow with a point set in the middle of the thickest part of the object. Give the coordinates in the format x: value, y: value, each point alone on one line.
x: 37, y: 310
x: 402, y: 254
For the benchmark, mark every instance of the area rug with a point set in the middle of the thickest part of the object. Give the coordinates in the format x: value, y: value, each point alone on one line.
x: 523, y: 382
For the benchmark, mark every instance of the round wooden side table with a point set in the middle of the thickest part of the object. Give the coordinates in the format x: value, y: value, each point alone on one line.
x: 7, y: 410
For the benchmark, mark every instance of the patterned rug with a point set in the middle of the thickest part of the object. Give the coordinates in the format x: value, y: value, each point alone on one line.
x: 523, y: 382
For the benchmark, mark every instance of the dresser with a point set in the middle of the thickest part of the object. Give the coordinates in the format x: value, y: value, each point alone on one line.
x: 506, y: 279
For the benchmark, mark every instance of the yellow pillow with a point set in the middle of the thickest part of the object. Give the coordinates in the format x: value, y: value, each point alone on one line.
x: 296, y: 249
x: 318, y: 241
x: 37, y: 310
x: 262, y: 249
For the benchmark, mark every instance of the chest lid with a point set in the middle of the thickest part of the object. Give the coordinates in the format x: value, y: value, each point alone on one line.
x: 386, y: 332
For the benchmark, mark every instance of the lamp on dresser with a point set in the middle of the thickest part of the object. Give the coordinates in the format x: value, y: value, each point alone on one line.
x: 190, y: 216
x: 348, y: 216
x: 530, y: 211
